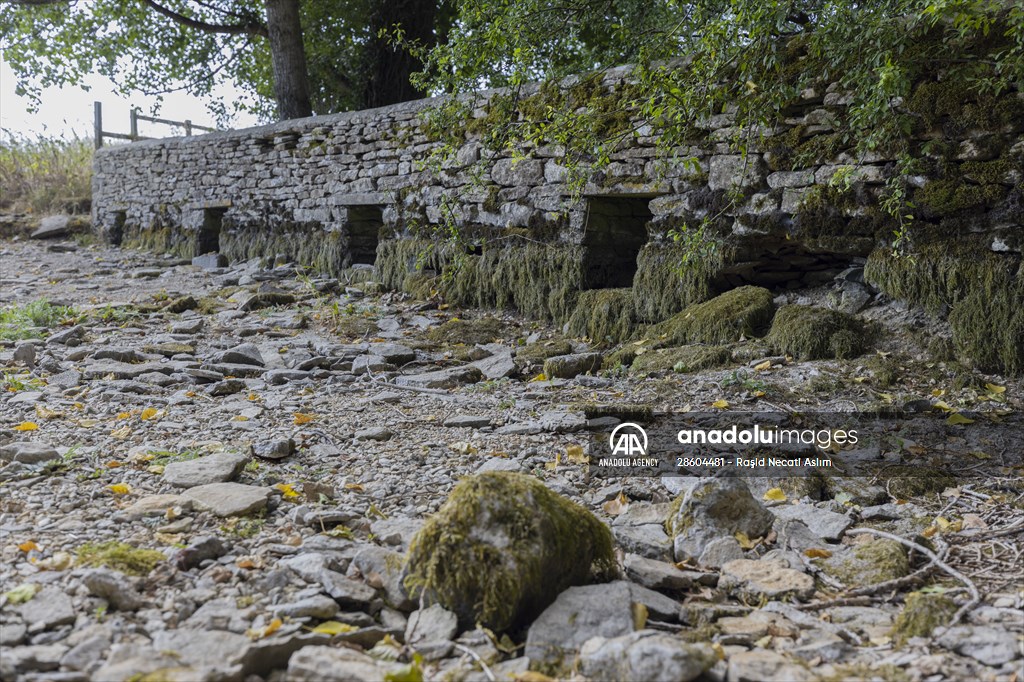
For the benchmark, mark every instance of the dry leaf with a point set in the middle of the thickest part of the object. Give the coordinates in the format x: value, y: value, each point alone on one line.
x: 148, y: 413
x: 539, y: 377
x: 995, y: 389
x: 121, y: 433
x: 554, y: 465
x: 119, y: 488
x: 22, y: 593
x: 942, y: 405
x: 575, y: 455
x: 639, y: 615
x: 28, y: 546
x: 301, y: 418
x: 44, y: 412
x: 123, y: 415
x: 760, y: 367
x: 721, y: 404
x: 26, y: 426
x: 745, y: 542
x: 957, y: 418
x: 775, y: 495
x: 815, y: 553
x: 87, y: 423
x: 333, y: 627
x: 616, y: 506
x: 287, y: 490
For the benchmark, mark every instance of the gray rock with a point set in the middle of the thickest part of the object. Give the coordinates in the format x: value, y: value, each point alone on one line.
x: 649, y: 540
x: 243, y: 354
x: 212, y: 654
x: 645, y: 655
x: 210, y: 261
x: 431, y: 625
x: 49, y: 608
x: 265, y: 299
x: 370, y: 364
x: 228, y: 499
x: 499, y: 464
x: 517, y: 172
x: 28, y: 452
x: 157, y: 505
x: 657, y: 575
x: 277, y: 377
x: 568, y: 366
x: 52, y: 227
x: 25, y: 353
x: 394, y: 353
x: 760, y: 665
x: 377, y: 433
x: 319, y: 606
x: 823, y: 523
x: 988, y: 645
x: 349, y: 593
x: 87, y: 653
x: 99, y: 369
x: 727, y: 171
x: 497, y: 366
x: 119, y: 354
x: 443, y: 378
x: 226, y: 387
x: 749, y: 579
x: 720, y: 551
x: 206, y: 548
x: 714, y: 508
x: 467, y: 421
x: 188, y: 326
x: 279, y: 448
x: 327, y: 664
x: 116, y: 588
x: 383, y: 569
x: 71, y: 336
x: 215, y: 468
x: 581, y: 613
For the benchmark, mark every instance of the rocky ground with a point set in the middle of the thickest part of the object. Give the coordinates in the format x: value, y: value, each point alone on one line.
x: 215, y: 473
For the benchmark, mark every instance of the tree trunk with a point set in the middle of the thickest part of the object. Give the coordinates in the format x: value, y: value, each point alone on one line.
x: 391, y: 67
x: 288, y: 59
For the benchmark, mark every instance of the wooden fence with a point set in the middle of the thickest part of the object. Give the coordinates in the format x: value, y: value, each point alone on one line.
x: 100, y: 133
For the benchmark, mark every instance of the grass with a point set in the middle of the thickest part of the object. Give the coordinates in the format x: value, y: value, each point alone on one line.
x: 22, y: 322
x: 45, y: 175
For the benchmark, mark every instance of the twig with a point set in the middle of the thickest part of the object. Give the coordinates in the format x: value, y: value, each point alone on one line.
x: 936, y: 561
x: 476, y: 656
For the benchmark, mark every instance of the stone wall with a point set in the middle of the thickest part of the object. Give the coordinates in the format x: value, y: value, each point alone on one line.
x: 348, y: 189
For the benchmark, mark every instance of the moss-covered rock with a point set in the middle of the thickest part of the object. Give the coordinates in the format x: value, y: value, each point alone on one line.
x: 569, y: 366
x: 503, y: 546
x: 681, y: 359
x: 537, y: 353
x: 921, y: 614
x: 812, y: 333
x: 867, y: 563
x: 745, y: 311
x: 469, y: 332
x: 120, y: 557
x: 663, y: 286
x: 603, y: 315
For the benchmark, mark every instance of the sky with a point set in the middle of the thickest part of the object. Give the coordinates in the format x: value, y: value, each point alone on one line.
x: 68, y: 111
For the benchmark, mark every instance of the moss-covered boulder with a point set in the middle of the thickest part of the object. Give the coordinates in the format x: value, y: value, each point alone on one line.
x: 537, y: 353
x: 569, y: 366
x: 812, y: 333
x: 921, y: 614
x: 502, y: 547
x: 867, y: 563
x: 470, y: 332
x: 745, y: 311
x: 681, y: 359
x: 603, y: 315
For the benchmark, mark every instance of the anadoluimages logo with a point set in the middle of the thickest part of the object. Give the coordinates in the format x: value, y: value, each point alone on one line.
x: 629, y: 440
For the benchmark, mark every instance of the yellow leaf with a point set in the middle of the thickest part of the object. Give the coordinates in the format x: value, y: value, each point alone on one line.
x: 333, y: 627
x: 272, y: 627
x: 759, y: 394
x: 26, y: 426
x: 554, y: 465
x: 239, y: 418
x: 745, y: 542
x: 938, y: 392
x: 28, y: 546
x: 119, y: 488
x: 995, y: 389
x: 719, y: 651
x: 287, y: 490
x: 22, y: 593
x: 760, y: 367
x: 301, y: 418
x: 930, y: 531
x: 44, y: 412
x: 148, y: 413
x: 721, y: 404
x: 121, y: 433
x: 942, y: 405
x: 616, y: 506
x: 190, y: 394
x: 354, y: 486
x: 87, y: 423
x: 123, y: 415
x: 639, y: 615
x: 815, y: 553
x: 957, y: 418
x: 113, y: 464
x: 539, y: 377
x: 575, y: 454
x: 775, y: 495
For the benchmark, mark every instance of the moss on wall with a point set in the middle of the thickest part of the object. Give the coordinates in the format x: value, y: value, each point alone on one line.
x: 603, y: 315
x: 662, y: 286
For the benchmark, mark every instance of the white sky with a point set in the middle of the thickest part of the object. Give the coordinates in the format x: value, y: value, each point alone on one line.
x: 65, y: 112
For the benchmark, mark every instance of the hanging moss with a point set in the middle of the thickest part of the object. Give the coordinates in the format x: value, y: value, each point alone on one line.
x: 603, y: 315
x: 921, y: 614
x: 745, y: 311
x: 502, y: 547
x: 161, y: 239
x: 988, y: 329
x: 812, y: 333
x: 309, y: 245
x: 662, y: 287
x: 681, y: 359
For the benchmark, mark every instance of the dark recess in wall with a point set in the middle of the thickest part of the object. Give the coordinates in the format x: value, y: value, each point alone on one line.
x: 364, y: 225
x: 208, y: 239
x: 616, y: 230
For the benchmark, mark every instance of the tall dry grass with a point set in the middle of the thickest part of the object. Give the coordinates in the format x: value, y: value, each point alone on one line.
x: 45, y: 175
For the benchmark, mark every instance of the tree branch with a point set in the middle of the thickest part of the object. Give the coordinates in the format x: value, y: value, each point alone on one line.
x: 250, y: 27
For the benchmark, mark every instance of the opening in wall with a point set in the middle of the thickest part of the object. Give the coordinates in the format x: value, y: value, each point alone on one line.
x: 364, y: 225
x: 208, y: 239
x: 116, y: 233
x: 615, y: 231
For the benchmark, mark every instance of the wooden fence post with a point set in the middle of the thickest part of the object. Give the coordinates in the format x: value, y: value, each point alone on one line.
x: 188, y: 128
x: 135, y: 124
x: 97, y: 123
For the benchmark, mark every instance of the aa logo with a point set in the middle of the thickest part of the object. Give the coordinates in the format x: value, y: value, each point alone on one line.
x: 628, y: 440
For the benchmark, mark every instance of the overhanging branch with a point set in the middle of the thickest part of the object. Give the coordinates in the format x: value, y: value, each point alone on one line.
x: 250, y: 27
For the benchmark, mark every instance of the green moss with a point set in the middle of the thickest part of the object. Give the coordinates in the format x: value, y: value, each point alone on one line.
x: 160, y: 239
x: 874, y: 561
x: 987, y: 172
x: 680, y: 359
x: 536, y: 544
x: 120, y: 557
x: 304, y: 244
x: 662, y: 286
x: 746, y: 311
x: 988, y: 328
x: 950, y: 196
x: 921, y: 614
x: 469, y: 332
x: 603, y: 315
x: 537, y: 353
x: 952, y: 102
x: 630, y: 412
x: 811, y: 333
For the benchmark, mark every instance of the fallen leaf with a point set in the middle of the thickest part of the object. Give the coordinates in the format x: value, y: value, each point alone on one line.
x: 22, y: 593
x: 87, y: 423
x: 815, y: 553
x: 123, y: 415
x: 721, y: 404
x: 28, y: 546
x: 302, y: 418
x: 148, y: 413
x: 60, y: 561
x: 616, y: 506
x: 288, y: 492
x: 762, y: 366
x: 539, y: 377
x: 639, y: 615
x: 119, y: 488
x: 44, y: 412
x: 775, y: 495
x: 333, y: 627
x: 957, y: 418
x: 26, y: 426
x: 554, y: 464
x: 745, y: 542
x: 575, y: 455
x: 943, y: 405
x: 995, y: 389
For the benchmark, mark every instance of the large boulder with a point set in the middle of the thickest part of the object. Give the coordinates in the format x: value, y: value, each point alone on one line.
x: 712, y: 509
x: 811, y: 333
x: 745, y: 311
x: 502, y: 547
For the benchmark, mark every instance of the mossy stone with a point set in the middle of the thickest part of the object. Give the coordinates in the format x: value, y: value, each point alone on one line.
x: 745, y: 311
x: 469, y: 332
x: 921, y: 614
x: 120, y: 557
x: 603, y: 315
x: 874, y: 561
x: 681, y: 359
x: 812, y: 333
x: 537, y: 353
x: 502, y: 548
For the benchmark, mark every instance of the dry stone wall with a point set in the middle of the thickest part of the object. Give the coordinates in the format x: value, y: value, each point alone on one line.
x: 345, y: 191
